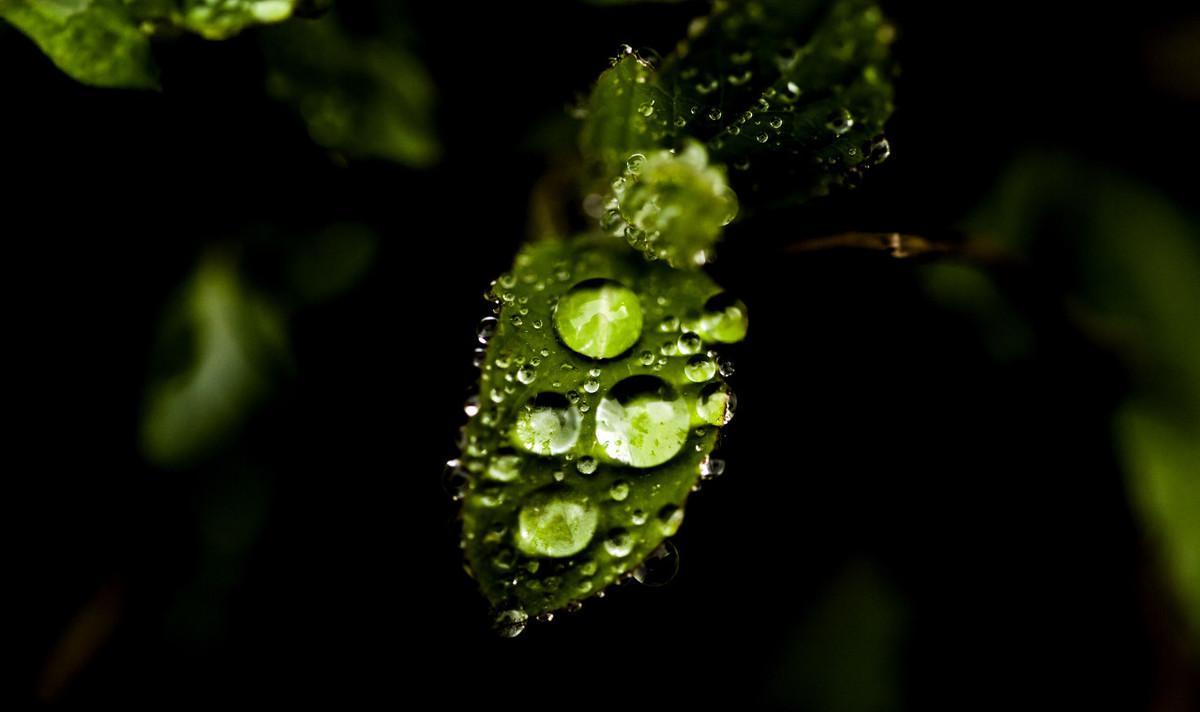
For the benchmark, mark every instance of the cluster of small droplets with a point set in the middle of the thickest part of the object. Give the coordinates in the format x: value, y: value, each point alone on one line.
x: 670, y: 205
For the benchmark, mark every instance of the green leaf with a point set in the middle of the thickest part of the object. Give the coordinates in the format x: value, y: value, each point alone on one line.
x: 792, y: 95
x: 579, y: 456
x: 366, y: 96
x: 219, y: 349
x: 94, y: 41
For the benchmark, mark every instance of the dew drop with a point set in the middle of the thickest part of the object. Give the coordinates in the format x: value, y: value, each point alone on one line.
x: 487, y: 329
x: 599, y: 318
x: 556, y: 523
x: 510, y: 623
x: 643, y: 422
x: 700, y: 368
x: 619, y: 542
x: 547, y: 425
x: 660, y: 567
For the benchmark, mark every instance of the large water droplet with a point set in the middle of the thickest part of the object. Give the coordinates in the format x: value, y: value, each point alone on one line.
x: 599, y: 318
x: 659, y: 567
x: 642, y: 422
x: 556, y: 523
x: 547, y: 425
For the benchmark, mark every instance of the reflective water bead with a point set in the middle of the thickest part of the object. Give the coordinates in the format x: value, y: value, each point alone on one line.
x: 547, y: 425
x: 599, y: 318
x: 643, y: 421
x: 556, y: 523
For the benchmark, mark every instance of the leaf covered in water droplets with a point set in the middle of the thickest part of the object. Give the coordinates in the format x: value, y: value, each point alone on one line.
x: 599, y: 404
x: 799, y: 91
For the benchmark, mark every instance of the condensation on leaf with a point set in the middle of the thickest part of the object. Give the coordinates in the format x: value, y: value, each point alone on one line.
x: 570, y: 480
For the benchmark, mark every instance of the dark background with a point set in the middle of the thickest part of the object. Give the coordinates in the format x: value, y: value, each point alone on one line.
x: 877, y: 446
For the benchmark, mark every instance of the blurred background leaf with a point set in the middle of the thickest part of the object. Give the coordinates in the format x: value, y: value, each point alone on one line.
x: 360, y: 93
x: 220, y: 346
x: 1125, y: 263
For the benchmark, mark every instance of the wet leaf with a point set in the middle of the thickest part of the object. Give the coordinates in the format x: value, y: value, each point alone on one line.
x: 94, y: 41
x: 791, y: 95
x: 598, y: 408
x: 365, y: 96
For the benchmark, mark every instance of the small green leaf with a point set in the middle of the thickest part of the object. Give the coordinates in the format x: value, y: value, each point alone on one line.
x: 221, y: 343
x: 672, y: 205
x: 96, y: 42
x: 792, y: 95
x: 598, y: 409
x: 366, y: 96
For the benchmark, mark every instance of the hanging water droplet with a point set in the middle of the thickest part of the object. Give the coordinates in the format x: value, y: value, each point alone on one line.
x: 510, y: 623
x: 599, y: 318
x: 660, y: 567
x: 643, y: 421
x: 556, y: 523
x: 711, y: 467
x: 547, y: 425
x: 487, y: 329
x: 619, y: 542
x: 456, y: 481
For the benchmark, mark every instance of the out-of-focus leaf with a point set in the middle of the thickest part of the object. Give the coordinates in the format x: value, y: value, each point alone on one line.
x: 365, y: 96
x: 792, y: 95
x: 330, y: 261
x: 846, y: 656
x: 222, y: 344
x: 211, y: 19
x: 1131, y: 261
x: 598, y: 408
x: 94, y: 41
